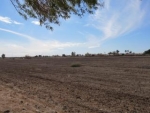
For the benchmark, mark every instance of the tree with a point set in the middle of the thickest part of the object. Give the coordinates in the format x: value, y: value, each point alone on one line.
x: 3, y: 56
x: 126, y: 51
x: 87, y: 54
x: 110, y: 53
x: 63, y: 55
x: 147, y: 52
x: 73, y: 54
x: 114, y: 52
x: 50, y: 11
x: 117, y: 51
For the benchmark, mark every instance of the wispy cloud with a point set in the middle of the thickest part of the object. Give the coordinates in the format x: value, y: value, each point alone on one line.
x: 93, y: 41
x: 35, y: 22
x: 5, y: 19
x: 35, y: 46
x: 116, y: 20
x: 81, y: 33
x: 8, y: 20
x: 15, y: 22
x: 16, y: 33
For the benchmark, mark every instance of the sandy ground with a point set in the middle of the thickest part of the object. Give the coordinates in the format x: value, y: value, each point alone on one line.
x: 51, y: 85
x: 13, y: 101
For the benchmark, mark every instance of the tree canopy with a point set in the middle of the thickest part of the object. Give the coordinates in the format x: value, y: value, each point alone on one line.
x: 147, y: 52
x: 49, y: 12
x: 3, y: 56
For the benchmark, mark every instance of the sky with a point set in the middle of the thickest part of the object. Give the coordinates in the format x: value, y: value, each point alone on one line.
x: 119, y: 25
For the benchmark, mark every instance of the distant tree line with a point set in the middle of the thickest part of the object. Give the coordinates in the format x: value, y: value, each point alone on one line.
x: 73, y: 54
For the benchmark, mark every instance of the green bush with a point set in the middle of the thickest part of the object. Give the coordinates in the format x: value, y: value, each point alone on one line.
x: 75, y: 65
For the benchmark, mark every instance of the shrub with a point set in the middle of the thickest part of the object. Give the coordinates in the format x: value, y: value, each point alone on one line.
x: 63, y: 55
x: 27, y: 57
x: 75, y: 65
x: 3, y: 56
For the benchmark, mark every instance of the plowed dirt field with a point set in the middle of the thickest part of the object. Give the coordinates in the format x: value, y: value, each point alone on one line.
x: 110, y: 84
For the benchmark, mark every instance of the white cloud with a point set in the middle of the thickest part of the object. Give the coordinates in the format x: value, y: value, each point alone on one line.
x: 15, y: 22
x: 8, y: 20
x: 35, y: 46
x: 36, y: 22
x: 60, y: 48
x: 45, y: 47
x: 93, y: 41
x: 119, y: 19
x: 5, y: 19
x: 92, y: 47
x: 13, y: 32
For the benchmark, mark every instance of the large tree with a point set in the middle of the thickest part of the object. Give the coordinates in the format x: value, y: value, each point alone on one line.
x: 49, y: 12
x: 147, y: 52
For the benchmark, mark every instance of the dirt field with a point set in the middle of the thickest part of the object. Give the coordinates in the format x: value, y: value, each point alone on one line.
x: 51, y: 85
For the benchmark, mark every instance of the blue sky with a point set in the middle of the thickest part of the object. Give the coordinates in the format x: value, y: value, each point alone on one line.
x: 121, y: 24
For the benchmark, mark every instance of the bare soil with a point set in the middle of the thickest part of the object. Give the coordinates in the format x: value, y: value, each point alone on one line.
x: 110, y: 84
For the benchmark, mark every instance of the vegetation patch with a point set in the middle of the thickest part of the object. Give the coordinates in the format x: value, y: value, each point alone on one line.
x: 27, y: 57
x: 147, y: 52
x: 76, y: 65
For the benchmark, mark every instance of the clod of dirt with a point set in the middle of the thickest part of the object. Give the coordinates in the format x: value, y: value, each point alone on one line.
x: 21, y: 102
x: 23, y: 109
